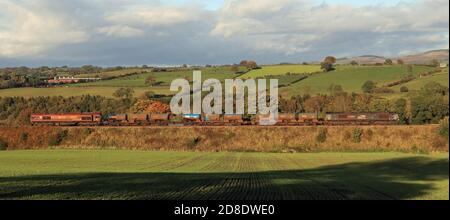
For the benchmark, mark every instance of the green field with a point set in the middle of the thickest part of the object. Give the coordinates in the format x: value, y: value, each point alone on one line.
x: 164, y: 78
x: 281, y: 70
x: 286, y: 80
x: 114, y: 73
x: 77, y: 174
x: 76, y: 91
x: 352, y: 78
x: 417, y: 84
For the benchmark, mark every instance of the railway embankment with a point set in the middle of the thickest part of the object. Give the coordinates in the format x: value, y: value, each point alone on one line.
x: 255, y: 139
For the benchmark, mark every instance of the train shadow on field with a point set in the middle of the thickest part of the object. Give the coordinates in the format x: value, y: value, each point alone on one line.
x: 405, y: 178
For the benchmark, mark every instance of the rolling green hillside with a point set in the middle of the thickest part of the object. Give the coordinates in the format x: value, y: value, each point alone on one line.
x: 351, y: 78
x: 417, y: 84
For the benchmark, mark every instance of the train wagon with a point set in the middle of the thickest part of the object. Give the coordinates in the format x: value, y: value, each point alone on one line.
x: 262, y: 119
x: 192, y: 119
x: 67, y: 119
x: 309, y: 119
x: 138, y: 119
x: 118, y: 120
x: 266, y: 119
x: 160, y: 119
x: 287, y: 119
x: 213, y: 119
x: 233, y: 120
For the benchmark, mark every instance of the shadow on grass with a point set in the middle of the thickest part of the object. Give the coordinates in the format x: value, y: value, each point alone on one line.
x: 406, y: 178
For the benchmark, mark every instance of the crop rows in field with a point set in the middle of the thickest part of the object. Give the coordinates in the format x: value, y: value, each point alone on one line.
x: 248, y: 176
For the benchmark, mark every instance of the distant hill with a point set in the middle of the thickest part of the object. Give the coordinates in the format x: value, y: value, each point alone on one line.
x: 420, y: 58
x: 427, y: 57
x: 365, y: 59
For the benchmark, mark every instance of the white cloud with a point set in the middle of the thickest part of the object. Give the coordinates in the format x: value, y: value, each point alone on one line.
x: 29, y: 31
x: 155, y: 16
x: 229, y: 28
x: 120, y: 31
x: 286, y: 45
x: 242, y: 17
x: 253, y: 8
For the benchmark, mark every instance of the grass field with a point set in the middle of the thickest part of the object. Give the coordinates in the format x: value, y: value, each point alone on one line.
x: 164, y: 78
x: 351, y: 78
x: 417, y: 84
x: 114, y: 73
x: 76, y: 174
x: 281, y: 70
x: 76, y: 91
x: 286, y: 80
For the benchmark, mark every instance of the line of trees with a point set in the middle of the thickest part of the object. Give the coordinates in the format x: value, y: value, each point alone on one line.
x: 15, y: 80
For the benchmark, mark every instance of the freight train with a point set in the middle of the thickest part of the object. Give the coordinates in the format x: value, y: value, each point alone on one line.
x: 284, y: 119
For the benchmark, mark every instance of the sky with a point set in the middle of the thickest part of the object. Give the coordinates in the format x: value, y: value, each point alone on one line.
x: 199, y: 32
